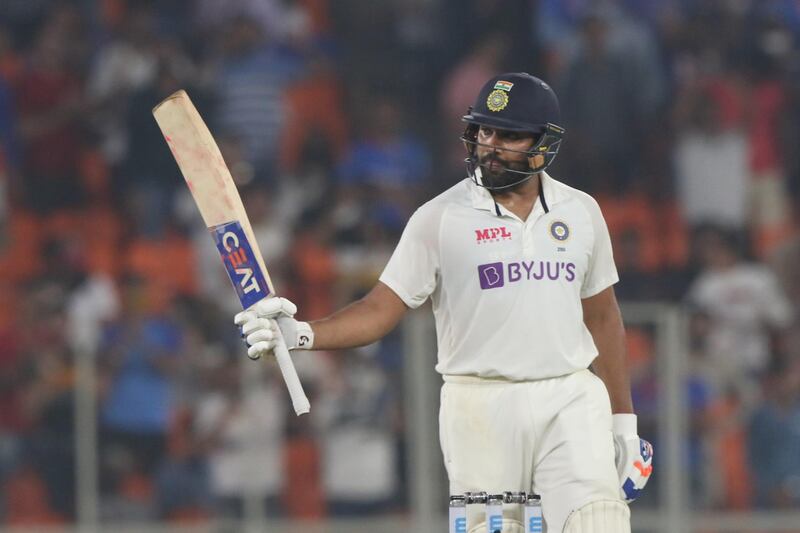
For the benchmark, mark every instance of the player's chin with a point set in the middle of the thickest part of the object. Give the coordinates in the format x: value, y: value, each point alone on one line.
x: 501, y: 179
x: 492, y: 175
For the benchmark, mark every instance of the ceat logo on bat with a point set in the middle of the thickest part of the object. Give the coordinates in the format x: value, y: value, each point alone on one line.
x: 240, y: 263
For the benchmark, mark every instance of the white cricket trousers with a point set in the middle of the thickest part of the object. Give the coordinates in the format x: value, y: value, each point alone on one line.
x: 552, y: 436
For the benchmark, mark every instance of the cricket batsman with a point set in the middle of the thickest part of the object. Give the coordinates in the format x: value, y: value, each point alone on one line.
x: 531, y: 345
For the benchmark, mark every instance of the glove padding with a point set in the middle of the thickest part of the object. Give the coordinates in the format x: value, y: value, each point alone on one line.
x: 264, y: 324
x: 633, y: 455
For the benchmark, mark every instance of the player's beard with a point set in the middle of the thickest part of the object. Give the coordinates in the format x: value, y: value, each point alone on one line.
x: 502, y: 177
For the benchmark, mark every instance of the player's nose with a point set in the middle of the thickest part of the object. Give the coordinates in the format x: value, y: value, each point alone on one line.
x: 492, y: 143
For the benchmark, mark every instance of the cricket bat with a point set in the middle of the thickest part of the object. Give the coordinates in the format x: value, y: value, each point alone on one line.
x: 218, y: 200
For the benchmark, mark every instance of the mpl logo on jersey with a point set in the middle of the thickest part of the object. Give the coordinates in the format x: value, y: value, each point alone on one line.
x: 495, y: 275
x: 240, y: 262
x: 492, y: 234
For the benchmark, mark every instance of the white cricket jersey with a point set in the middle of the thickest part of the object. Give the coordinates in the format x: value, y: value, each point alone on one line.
x: 506, y: 293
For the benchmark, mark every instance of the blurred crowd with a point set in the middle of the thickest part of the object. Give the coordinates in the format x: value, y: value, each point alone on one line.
x: 337, y: 119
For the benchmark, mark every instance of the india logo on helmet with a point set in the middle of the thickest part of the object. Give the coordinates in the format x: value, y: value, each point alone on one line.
x: 497, y: 100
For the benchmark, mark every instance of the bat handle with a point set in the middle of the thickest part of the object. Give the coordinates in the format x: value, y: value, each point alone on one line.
x: 296, y: 392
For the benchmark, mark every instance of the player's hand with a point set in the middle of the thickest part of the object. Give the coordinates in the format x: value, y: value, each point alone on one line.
x: 263, y: 325
x: 634, y: 456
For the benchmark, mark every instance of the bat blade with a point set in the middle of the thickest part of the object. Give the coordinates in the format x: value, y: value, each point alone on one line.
x: 220, y: 205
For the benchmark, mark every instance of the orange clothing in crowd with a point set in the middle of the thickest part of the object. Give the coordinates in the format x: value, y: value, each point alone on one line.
x: 20, y: 259
x: 167, y: 264
x: 659, y: 229
x: 303, y: 497
x: 314, y: 107
x: 26, y: 501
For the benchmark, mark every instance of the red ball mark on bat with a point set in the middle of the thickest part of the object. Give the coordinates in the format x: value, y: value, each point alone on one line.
x: 172, y: 149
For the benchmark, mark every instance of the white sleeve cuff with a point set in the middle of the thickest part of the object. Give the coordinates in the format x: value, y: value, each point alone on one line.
x: 624, y: 424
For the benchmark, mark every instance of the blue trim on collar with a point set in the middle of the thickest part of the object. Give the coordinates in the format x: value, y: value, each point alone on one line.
x: 541, y: 195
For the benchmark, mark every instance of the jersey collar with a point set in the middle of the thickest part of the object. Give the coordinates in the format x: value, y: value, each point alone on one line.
x: 549, y: 191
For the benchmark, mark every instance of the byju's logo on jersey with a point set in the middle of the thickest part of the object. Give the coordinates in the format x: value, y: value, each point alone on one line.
x: 495, y: 275
x: 491, y: 275
x: 492, y: 235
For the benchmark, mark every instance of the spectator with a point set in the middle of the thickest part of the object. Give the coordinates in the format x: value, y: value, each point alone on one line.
x: 384, y: 172
x: 128, y: 63
x: 11, y: 63
x: 138, y: 357
x: 243, y: 439
x: 251, y: 77
x: 744, y: 307
x: 784, y: 261
x: 768, y: 104
x: 45, y: 399
x: 312, y: 262
x: 711, y: 166
x: 459, y: 88
x: 48, y: 401
x: 604, y: 108
x: 774, y: 438
x: 358, y: 443
x: 91, y: 300
x: 270, y: 16
x: 51, y: 107
x: 315, y: 112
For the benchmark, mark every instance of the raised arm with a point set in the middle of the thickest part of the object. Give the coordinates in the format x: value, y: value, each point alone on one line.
x: 362, y: 322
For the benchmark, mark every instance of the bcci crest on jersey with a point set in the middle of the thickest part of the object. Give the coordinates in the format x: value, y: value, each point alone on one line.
x: 559, y: 231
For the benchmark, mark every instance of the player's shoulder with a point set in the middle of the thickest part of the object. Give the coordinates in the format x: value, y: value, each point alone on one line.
x: 457, y: 195
x: 567, y: 191
x: 572, y: 194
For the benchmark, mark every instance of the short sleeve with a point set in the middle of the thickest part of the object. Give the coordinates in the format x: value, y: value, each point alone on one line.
x: 602, y: 272
x: 413, y: 270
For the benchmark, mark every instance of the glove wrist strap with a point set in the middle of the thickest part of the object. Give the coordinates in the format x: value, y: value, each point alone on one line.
x: 305, y: 336
x: 624, y: 424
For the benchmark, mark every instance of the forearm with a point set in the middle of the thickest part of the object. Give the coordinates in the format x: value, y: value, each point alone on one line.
x: 611, y: 363
x: 360, y: 323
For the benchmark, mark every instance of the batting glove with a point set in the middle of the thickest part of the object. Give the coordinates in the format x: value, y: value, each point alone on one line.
x: 263, y: 325
x: 633, y: 455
